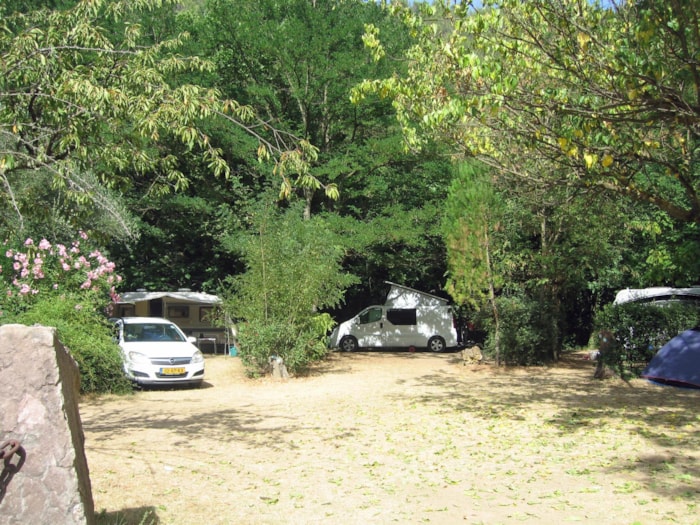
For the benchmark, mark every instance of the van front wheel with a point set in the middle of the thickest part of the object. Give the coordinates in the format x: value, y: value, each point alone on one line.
x: 436, y: 344
x: 348, y: 344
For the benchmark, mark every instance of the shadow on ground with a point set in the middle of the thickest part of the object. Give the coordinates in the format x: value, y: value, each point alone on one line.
x: 575, y: 403
x: 138, y: 516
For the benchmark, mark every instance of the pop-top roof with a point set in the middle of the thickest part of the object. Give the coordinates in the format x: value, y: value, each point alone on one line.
x: 657, y: 293
x: 400, y: 296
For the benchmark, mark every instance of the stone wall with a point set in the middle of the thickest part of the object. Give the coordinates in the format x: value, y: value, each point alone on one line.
x: 39, y: 389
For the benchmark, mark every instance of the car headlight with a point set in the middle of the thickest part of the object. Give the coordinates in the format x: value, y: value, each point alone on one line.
x: 197, y: 357
x: 138, y: 358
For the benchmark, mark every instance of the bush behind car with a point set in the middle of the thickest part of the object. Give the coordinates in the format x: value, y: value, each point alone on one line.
x: 638, y: 330
x: 87, y: 334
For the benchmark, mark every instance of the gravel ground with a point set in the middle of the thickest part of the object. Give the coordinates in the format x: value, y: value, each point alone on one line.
x: 380, y: 438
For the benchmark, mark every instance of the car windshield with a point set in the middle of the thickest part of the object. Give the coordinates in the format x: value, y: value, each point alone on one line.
x: 151, y: 332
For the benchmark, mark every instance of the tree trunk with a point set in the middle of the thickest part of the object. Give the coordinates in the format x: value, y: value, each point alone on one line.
x: 492, y: 298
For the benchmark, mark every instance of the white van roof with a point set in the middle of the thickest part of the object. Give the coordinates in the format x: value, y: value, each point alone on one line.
x: 630, y: 295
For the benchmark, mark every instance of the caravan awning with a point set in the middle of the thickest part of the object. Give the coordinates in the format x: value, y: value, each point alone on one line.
x: 192, y: 297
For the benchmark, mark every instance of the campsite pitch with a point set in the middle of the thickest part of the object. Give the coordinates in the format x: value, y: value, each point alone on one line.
x: 380, y: 438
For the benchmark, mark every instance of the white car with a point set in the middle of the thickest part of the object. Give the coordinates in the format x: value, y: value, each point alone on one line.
x: 155, y: 352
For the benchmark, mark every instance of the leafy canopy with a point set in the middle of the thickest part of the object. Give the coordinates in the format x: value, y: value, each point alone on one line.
x: 591, y: 96
x: 84, y: 92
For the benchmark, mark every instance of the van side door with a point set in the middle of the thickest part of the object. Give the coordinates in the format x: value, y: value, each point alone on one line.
x: 400, y: 329
x: 370, y: 327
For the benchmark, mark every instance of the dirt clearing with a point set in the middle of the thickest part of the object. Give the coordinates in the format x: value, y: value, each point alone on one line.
x: 385, y: 438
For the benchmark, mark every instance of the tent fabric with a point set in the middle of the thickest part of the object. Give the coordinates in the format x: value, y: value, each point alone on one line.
x: 677, y: 363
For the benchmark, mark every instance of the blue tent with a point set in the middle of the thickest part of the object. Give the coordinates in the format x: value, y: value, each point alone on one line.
x: 677, y: 363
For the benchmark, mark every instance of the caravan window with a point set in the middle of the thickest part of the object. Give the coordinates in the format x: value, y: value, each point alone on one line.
x: 205, y: 313
x: 401, y: 316
x: 371, y: 316
x: 178, y: 311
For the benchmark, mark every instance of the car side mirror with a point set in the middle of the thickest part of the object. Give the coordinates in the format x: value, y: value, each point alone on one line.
x: 192, y: 339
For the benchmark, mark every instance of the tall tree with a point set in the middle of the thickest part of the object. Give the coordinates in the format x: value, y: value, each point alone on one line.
x: 83, y: 99
x: 472, y: 218
x: 595, y: 96
x: 295, y: 62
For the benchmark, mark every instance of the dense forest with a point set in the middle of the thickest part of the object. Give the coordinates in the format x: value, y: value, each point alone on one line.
x: 524, y: 159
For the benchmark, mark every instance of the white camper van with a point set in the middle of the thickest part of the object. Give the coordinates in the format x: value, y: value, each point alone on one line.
x: 408, y: 318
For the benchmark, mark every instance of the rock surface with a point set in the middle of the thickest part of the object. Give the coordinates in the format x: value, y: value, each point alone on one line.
x: 47, y: 479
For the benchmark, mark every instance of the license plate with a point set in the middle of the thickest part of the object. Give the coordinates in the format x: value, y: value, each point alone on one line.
x: 172, y: 371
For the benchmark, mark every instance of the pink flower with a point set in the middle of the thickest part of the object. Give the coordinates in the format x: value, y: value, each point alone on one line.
x: 83, y: 235
x: 87, y: 284
x: 28, y: 242
x: 66, y: 267
x: 16, y: 266
x: 61, y: 250
x: 55, y: 286
x: 44, y: 245
x: 24, y: 289
x: 9, y: 254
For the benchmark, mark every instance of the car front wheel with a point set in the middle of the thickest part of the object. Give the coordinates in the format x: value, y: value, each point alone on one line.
x: 348, y: 344
x: 436, y: 344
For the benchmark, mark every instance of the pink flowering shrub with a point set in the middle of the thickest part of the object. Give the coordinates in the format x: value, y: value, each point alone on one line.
x: 33, y: 271
x: 66, y: 287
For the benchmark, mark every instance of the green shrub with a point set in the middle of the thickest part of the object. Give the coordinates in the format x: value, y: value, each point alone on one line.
x: 525, y: 333
x: 297, y: 346
x: 638, y: 331
x: 65, y: 286
x: 87, y: 335
x: 294, y: 271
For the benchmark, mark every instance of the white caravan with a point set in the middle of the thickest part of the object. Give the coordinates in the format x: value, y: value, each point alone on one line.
x: 408, y: 319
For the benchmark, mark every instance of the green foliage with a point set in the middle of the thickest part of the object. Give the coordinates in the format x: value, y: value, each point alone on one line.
x: 293, y: 272
x: 639, y: 331
x: 178, y: 246
x: 673, y: 255
x: 261, y: 64
x: 67, y: 287
x: 86, y: 333
x: 590, y: 96
x: 472, y: 216
x: 94, y: 100
x: 298, y: 345
x: 525, y: 332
